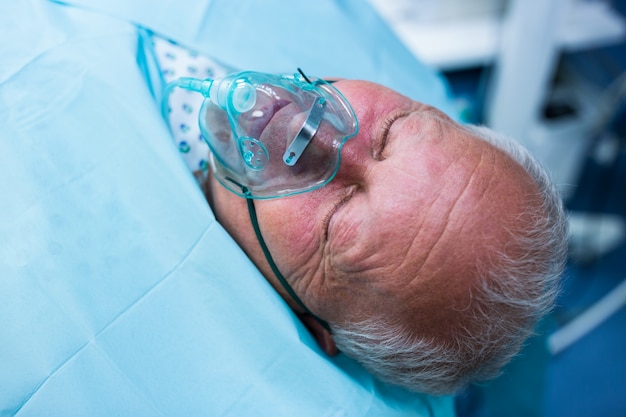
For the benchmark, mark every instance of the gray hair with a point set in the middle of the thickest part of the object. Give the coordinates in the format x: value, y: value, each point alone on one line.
x: 506, y: 303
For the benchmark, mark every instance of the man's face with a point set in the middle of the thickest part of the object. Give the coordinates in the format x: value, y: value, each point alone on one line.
x: 414, y: 200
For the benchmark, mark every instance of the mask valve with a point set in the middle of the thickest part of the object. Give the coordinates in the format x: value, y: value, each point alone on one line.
x: 253, y: 152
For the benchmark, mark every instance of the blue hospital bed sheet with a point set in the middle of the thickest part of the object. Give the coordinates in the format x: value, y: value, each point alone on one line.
x: 120, y: 293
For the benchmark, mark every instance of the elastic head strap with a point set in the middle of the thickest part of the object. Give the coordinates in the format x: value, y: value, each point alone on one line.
x: 270, y: 260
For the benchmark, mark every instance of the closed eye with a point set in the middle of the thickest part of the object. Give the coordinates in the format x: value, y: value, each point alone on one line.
x: 383, y: 136
x: 348, y: 193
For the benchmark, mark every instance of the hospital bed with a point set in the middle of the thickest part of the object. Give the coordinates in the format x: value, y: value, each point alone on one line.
x: 119, y: 292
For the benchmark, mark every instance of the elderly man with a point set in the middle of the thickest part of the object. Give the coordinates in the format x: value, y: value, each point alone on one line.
x: 430, y: 255
x: 424, y: 249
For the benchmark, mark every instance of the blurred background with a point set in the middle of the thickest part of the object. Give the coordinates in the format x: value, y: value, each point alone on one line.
x: 552, y: 74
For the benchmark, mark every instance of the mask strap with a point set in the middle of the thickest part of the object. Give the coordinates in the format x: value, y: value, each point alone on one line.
x: 268, y: 256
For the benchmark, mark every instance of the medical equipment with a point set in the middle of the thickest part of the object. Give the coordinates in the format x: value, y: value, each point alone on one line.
x: 271, y: 136
x: 275, y: 135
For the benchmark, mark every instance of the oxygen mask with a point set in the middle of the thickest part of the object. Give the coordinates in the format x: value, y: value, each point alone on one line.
x: 273, y: 135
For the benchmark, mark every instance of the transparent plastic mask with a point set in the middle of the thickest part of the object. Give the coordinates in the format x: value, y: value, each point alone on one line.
x: 275, y: 135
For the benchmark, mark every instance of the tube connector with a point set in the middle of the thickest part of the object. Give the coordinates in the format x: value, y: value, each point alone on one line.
x: 229, y: 93
x: 201, y: 86
x: 239, y: 94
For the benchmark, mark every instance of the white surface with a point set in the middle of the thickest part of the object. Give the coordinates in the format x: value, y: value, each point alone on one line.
x: 450, y: 44
x: 524, y: 66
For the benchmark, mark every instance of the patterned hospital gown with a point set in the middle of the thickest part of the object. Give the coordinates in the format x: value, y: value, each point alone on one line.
x: 176, y: 61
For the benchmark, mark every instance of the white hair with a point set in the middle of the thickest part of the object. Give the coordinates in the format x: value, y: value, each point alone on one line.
x: 506, y: 303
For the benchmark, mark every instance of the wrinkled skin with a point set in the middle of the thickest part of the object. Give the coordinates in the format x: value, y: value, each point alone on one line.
x: 400, y: 229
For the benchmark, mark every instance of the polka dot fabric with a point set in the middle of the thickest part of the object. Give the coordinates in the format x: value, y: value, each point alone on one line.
x: 176, y: 61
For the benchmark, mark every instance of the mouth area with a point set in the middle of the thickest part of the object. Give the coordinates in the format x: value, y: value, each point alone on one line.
x: 278, y: 130
x: 255, y: 122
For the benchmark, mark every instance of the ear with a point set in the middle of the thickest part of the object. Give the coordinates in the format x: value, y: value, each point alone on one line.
x: 323, y: 337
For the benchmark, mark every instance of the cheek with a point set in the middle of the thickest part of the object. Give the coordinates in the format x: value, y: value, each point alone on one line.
x: 291, y: 230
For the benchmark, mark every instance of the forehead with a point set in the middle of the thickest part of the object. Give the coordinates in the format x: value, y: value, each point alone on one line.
x: 431, y: 204
x: 420, y: 185
x: 419, y: 254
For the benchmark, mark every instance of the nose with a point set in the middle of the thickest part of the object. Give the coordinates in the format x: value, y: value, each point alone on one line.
x: 356, y: 160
